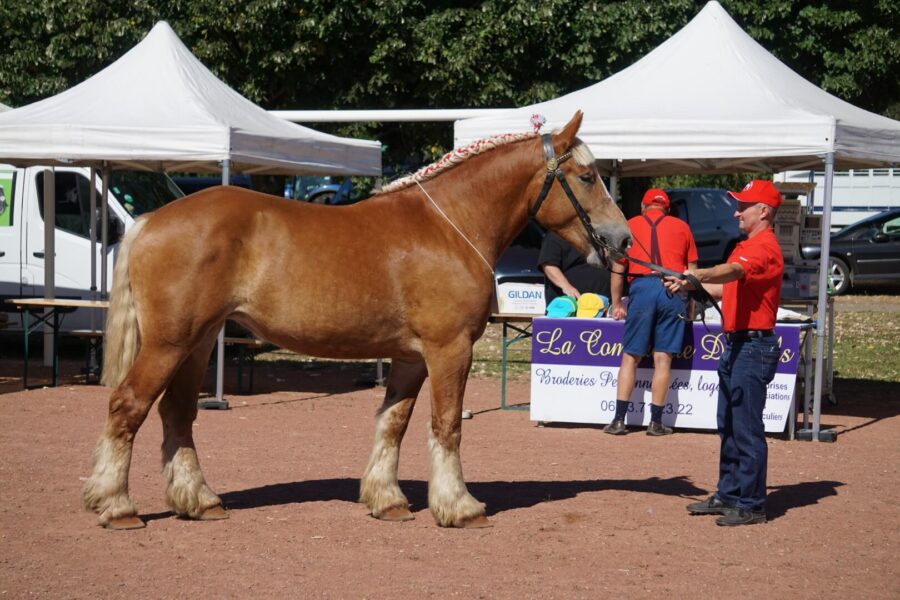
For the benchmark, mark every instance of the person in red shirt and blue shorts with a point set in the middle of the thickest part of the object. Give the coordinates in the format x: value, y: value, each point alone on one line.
x: 749, y: 283
x: 655, y: 318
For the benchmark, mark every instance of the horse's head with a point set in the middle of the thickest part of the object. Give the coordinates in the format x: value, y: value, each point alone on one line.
x: 573, y: 200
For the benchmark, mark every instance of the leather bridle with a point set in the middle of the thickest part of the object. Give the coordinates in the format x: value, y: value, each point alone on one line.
x: 554, y: 171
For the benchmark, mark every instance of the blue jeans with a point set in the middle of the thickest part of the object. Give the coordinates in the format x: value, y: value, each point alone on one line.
x: 745, y: 369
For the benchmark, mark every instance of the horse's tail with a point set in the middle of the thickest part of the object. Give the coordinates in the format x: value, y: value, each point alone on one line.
x: 122, y: 338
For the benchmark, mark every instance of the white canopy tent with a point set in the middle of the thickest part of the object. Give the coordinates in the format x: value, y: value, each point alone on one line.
x: 712, y: 100
x: 708, y: 99
x: 158, y: 108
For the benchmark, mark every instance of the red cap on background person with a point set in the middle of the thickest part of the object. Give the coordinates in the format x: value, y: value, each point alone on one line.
x: 656, y: 197
x: 759, y: 190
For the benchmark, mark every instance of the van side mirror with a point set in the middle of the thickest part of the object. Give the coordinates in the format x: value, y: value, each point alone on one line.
x: 880, y: 237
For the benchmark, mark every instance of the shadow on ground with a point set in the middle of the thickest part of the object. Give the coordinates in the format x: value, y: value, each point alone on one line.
x: 863, y: 398
x: 500, y: 496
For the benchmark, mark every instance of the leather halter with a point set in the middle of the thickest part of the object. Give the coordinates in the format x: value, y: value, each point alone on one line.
x: 555, y: 172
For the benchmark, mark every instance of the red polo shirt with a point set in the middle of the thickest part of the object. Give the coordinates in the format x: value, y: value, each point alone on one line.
x: 752, y: 302
x: 676, y: 243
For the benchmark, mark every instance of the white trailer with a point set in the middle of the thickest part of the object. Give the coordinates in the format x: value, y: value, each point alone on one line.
x: 857, y: 194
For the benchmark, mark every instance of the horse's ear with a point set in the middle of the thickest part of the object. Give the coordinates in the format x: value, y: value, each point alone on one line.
x: 563, y: 140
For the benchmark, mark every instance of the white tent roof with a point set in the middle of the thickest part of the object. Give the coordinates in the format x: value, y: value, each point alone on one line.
x: 159, y: 108
x: 709, y: 99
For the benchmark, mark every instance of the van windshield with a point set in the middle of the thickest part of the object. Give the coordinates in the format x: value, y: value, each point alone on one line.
x: 141, y: 192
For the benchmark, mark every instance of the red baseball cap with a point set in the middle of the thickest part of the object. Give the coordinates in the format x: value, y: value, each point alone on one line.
x: 656, y: 197
x: 759, y: 190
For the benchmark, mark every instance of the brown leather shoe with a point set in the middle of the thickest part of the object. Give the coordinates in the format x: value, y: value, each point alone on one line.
x: 739, y: 516
x: 711, y: 506
x: 617, y: 427
x: 655, y: 428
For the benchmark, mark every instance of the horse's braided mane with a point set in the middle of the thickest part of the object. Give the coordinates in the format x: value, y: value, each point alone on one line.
x: 454, y: 157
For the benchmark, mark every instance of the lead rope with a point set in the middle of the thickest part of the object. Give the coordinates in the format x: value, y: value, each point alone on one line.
x: 458, y: 230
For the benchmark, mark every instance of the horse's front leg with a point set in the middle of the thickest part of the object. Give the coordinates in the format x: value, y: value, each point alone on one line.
x: 450, y: 501
x: 379, y: 488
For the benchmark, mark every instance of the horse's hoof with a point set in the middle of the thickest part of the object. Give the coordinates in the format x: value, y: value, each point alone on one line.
x: 213, y: 513
x: 132, y: 522
x: 396, y: 513
x: 479, y: 522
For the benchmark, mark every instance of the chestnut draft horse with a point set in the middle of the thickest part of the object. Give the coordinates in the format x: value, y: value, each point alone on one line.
x: 420, y: 253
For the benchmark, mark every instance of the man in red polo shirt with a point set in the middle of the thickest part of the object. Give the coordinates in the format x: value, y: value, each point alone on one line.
x: 749, y: 283
x: 654, y: 319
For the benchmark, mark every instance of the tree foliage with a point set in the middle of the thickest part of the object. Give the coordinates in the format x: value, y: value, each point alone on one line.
x: 321, y: 54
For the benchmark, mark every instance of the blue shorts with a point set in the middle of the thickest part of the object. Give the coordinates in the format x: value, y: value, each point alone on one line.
x: 655, y: 318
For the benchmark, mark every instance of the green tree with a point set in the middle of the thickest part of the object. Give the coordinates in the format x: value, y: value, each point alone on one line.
x: 320, y: 54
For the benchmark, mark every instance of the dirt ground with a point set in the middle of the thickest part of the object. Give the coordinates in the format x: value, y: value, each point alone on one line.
x: 575, y: 513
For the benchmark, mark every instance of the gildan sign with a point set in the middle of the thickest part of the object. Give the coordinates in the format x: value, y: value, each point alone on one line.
x: 521, y: 298
x: 575, y: 362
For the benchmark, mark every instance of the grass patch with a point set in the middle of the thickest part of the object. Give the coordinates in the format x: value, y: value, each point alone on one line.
x: 867, y: 346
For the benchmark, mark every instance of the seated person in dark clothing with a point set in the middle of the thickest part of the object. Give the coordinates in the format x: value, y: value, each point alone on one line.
x: 567, y: 272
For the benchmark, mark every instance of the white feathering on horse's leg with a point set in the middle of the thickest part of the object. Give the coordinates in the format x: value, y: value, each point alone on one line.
x: 450, y: 501
x: 106, y: 491
x: 379, y: 488
x: 186, y: 491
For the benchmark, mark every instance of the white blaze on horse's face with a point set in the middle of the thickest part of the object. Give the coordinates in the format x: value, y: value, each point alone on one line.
x: 616, y: 236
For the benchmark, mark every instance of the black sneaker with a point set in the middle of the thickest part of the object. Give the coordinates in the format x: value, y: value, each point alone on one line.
x: 711, y: 506
x: 739, y: 516
x: 617, y: 427
x: 655, y: 428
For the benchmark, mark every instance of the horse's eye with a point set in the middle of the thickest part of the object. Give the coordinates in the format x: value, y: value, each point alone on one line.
x: 588, y: 177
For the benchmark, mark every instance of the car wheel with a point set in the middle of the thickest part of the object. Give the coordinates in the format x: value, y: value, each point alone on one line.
x: 323, y: 198
x: 839, y: 273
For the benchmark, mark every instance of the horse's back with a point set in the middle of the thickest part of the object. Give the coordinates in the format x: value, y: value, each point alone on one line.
x: 308, y: 277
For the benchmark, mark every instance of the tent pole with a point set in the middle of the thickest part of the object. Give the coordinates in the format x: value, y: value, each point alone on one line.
x: 220, y: 402
x: 104, y: 231
x: 49, y: 254
x: 92, y: 227
x: 822, y: 311
x: 614, y: 183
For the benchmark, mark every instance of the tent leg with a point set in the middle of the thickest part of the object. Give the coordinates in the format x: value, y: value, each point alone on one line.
x: 816, y: 434
x: 220, y: 402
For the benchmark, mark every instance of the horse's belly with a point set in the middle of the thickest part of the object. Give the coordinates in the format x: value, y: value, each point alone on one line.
x: 335, y: 337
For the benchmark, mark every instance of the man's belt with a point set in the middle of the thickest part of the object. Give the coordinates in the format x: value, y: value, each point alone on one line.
x: 745, y: 335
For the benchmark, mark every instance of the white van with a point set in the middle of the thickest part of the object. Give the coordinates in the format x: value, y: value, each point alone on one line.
x: 131, y: 193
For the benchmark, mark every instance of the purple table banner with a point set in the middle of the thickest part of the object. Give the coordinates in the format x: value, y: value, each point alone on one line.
x: 598, y: 342
x: 575, y: 364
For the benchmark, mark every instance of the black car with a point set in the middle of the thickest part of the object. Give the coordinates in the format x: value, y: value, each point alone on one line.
x: 710, y: 215
x: 862, y: 253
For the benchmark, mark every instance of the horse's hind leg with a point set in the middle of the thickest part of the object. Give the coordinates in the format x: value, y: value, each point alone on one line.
x: 379, y: 488
x: 106, y: 491
x: 449, y: 499
x: 186, y: 490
